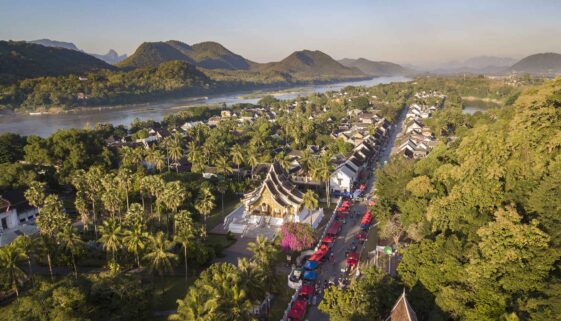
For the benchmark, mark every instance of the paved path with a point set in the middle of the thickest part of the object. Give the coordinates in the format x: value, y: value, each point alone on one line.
x: 235, y: 251
x: 352, y: 226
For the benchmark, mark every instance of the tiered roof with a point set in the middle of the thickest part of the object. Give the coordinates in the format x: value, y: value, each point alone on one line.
x: 282, y: 189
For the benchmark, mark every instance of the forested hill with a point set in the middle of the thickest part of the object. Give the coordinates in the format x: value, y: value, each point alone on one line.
x: 376, y: 68
x: 20, y: 60
x: 482, y: 215
x: 312, y: 64
x: 542, y: 63
x: 210, y: 55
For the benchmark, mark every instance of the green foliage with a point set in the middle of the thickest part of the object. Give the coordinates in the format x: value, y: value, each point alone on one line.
x: 11, y: 147
x: 369, y: 298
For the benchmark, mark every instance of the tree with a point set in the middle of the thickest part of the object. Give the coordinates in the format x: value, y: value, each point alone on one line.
x: 158, y: 258
x: 71, y: 241
x: 172, y: 197
x: 238, y: 156
x: 35, y: 194
x: 155, y: 157
x: 27, y: 244
x: 238, y: 307
x: 296, y: 237
x: 111, y: 237
x: 135, y: 240
x: 184, y: 233
x: 11, y: 274
x: 265, y: 255
x: 205, y: 202
x: 197, y: 305
x: 393, y: 229
x: 251, y: 278
x: 321, y: 170
x: 50, y: 222
x: 153, y: 185
x: 310, y: 202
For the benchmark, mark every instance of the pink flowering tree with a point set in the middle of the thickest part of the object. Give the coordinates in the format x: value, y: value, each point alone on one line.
x: 296, y: 237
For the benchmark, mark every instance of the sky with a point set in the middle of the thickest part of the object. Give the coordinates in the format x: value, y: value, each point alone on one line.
x: 414, y: 32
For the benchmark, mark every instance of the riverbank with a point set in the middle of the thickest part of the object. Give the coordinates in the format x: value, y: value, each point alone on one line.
x: 46, y: 124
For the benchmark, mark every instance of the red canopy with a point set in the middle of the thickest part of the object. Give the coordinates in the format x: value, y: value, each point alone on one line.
x: 327, y: 239
x: 362, y: 187
x: 366, y: 218
x: 361, y: 236
x: 352, y: 258
x: 346, y: 204
x: 340, y: 215
x: 306, y: 290
x: 342, y: 209
x: 334, y: 228
x: 320, y: 253
x: 298, y: 309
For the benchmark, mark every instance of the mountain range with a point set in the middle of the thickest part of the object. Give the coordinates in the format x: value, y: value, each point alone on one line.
x: 542, y: 63
x: 111, y: 57
x: 376, y: 68
x: 305, y: 64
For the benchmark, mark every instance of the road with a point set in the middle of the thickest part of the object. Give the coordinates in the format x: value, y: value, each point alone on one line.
x: 352, y: 226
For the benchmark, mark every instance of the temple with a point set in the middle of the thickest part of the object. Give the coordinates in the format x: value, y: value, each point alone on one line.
x: 276, y: 197
x: 277, y: 200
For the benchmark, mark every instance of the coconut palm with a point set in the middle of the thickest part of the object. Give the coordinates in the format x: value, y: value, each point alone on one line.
x: 172, y: 197
x: 321, y: 170
x: 175, y: 151
x: 238, y: 307
x: 134, y: 216
x: 222, y: 166
x: 282, y: 159
x: 156, y: 158
x: 184, y: 233
x: 238, y: 156
x: 135, y: 241
x: 159, y: 258
x: 35, y: 194
x: 251, y: 278
x: 310, y: 202
x: 90, y: 183
x: 10, y: 258
x: 153, y: 185
x: 111, y: 237
x: 70, y: 240
x: 131, y: 157
x: 81, y: 205
x: 205, y: 202
x: 123, y: 180
x: 196, y: 306
x: 50, y: 222
x: 27, y: 245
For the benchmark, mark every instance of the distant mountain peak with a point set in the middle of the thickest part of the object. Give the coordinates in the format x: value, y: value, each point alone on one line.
x: 54, y: 43
x: 540, y: 63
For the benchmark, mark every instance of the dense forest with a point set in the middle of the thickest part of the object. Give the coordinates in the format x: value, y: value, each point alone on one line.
x: 480, y: 215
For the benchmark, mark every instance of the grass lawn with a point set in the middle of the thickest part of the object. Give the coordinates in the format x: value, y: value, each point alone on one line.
x: 280, y: 302
x: 231, y: 202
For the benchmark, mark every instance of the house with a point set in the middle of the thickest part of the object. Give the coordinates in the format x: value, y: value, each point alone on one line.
x: 190, y: 124
x: 343, y: 177
x: 402, y: 310
x: 415, y: 125
x: 226, y: 113
x: 214, y: 120
x: 15, y: 210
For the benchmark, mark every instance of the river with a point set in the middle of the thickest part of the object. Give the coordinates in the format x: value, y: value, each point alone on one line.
x: 45, y: 125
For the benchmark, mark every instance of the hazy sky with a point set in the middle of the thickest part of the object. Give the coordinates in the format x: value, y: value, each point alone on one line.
x: 401, y: 31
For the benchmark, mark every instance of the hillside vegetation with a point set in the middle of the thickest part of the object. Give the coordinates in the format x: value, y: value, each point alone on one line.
x: 376, y: 68
x: 481, y: 215
x: 21, y: 60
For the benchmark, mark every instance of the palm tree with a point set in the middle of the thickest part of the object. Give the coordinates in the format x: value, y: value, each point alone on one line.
x: 155, y: 157
x: 159, y: 259
x: 27, y: 245
x: 135, y: 241
x: 183, y: 234
x: 196, y: 306
x: 251, y: 278
x: 310, y: 202
x: 131, y: 157
x: 321, y: 170
x: 124, y: 183
x: 222, y: 188
x: 238, y: 156
x: 172, y: 197
x: 10, y: 257
x: 35, y: 194
x: 239, y: 307
x: 153, y: 185
x: 50, y: 222
x: 282, y: 159
x: 222, y: 166
x: 111, y: 237
x: 71, y: 241
x: 175, y: 151
x: 81, y: 206
x: 205, y: 202
x: 91, y: 183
